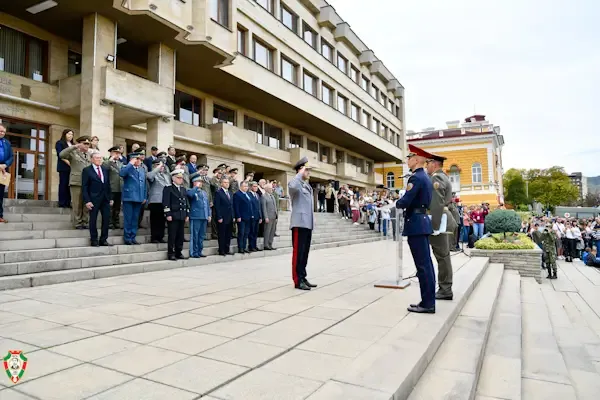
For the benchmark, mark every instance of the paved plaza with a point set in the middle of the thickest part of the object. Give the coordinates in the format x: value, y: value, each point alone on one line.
x: 240, y: 331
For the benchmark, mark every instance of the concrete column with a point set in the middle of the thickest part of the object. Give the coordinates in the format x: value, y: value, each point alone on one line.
x: 286, y: 138
x: 59, y: 61
x: 319, y: 89
x: 161, y: 69
x: 277, y: 62
x: 99, y: 38
x: 208, y: 111
x: 277, y: 8
x: 239, y: 119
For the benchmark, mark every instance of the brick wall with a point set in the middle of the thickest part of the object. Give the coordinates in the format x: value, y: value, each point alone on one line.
x: 527, y: 262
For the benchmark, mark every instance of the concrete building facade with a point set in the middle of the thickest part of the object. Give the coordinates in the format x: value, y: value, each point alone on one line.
x: 580, y: 181
x: 473, y: 150
x: 255, y: 84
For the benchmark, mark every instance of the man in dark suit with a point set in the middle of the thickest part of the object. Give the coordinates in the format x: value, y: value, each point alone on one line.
x: 150, y: 159
x: 242, y: 206
x: 171, y: 159
x: 96, y: 192
x: 223, y: 203
x: 256, y: 217
x: 417, y: 226
x: 177, y: 211
x: 192, y: 167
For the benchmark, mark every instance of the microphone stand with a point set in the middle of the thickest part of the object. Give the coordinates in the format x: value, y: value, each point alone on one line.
x: 399, y: 282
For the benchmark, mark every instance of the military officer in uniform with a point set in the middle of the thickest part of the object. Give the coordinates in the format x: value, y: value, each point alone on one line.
x: 78, y: 158
x: 214, y: 184
x: 177, y: 210
x: 439, y: 210
x: 114, y: 164
x: 302, y: 222
x: 417, y: 227
x: 234, y: 185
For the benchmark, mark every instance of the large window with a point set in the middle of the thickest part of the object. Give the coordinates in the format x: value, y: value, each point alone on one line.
x: 375, y: 92
x: 397, y: 111
x: 289, y: 71
x: 23, y: 55
x: 289, y: 19
x: 391, y: 106
x: 310, y: 84
x: 254, y: 125
x: 365, y: 83
x: 309, y: 36
x: 223, y: 114
x: 342, y: 64
x: 219, y: 11
x: 355, y: 75
x: 383, y: 131
x: 266, y: 4
x: 312, y: 145
x: 390, y: 180
x: 262, y: 54
x: 383, y: 99
x: 375, y: 125
x: 266, y: 134
x: 295, y: 141
x: 241, y: 44
x: 327, y: 95
x: 477, y: 173
x: 365, y: 119
x: 187, y: 108
x: 74, y: 63
x: 342, y: 104
x: 327, y: 50
x: 455, y: 178
x: 325, y: 153
x: 354, y: 112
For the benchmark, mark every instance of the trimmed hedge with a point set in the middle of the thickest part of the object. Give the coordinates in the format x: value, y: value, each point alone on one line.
x: 501, y: 221
x: 517, y: 241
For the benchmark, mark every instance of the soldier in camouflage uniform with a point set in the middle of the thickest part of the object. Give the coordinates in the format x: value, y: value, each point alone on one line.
x: 234, y: 185
x: 114, y: 164
x: 549, y: 247
x: 78, y: 158
x: 441, y: 241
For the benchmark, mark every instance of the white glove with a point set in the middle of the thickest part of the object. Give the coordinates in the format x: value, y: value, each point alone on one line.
x: 435, y: 233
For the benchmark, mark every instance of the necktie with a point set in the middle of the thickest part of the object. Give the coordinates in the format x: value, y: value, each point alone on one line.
x: 99, y: 174
x: 227, y: 193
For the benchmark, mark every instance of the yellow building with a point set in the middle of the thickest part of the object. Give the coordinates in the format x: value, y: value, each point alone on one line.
x: 254, y: 84
x: 474, y: 159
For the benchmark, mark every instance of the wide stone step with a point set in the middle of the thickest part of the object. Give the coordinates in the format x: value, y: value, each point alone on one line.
x: 13, y: 218
x: 29, y: 203
x: 501, y: 371
x: 390, y: 367
x: 79, y: 247
x: 36, y: 210
x: 71, y: 275
x: 454, y: 371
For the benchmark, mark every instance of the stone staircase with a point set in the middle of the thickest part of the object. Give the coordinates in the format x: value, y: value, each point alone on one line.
x: 39, y: 246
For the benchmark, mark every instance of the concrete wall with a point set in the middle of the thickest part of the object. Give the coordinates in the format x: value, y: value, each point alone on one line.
x: 527, y: 262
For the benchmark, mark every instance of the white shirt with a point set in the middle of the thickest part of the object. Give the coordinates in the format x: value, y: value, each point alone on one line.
x: 569, y: 233
x: 576, y: 232
x: 558, y: 230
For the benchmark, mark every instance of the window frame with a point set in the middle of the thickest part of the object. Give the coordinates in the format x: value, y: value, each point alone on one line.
x: 367, y: 82
x: 295, y: 17
x: 375, y: 92
x: 217, y: 108
x: 270, y: 55
x: 270, y: 6
x: 331, y: 94
x: 293, y: 145
x: 355, y: 73
x: 392, y: 180
x: 45, y: 46
x: 307, y: 28
x: 454, y: 177
x: 222, y: 13
x: 294, y: 69
x: 242, y: 37
x: 367, y: 118
x: 338, y: 63
x: 342, y: 97
x: 315, y: 83
x: 177, y: 105
x: 354, y: 106
x: 474, y: 173
x: 331, y: 50
x: 309, y: 142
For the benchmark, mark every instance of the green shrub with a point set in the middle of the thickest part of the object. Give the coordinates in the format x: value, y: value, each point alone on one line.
x: 517, y: 241
x: 503, y: 221
x: 524, y: 215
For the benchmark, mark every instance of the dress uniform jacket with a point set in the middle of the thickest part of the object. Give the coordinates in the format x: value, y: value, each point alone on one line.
x: 301, y: 196
x: 158, y: 181
x: 78, y: 160
x: 134, y: 184
x: 114, y: 167
x: 207, y: 188
x: 440, y: 202
x: 416, y: 201
x: 175, y: 202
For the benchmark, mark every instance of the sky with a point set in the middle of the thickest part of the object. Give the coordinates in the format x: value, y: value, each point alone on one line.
x: 531, y: 66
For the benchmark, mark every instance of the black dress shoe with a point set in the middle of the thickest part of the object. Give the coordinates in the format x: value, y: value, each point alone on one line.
x: 180, y: 257
x: 186, y: 240
x: 135, y: 242
x: 440, y: 296
x: 127, y: 243
x: 257, y: 249
x: 421, y: 310
x: 251, y: 251
x: 104, y: 243
x: 94, y: 243
x: 172, y: 257
x: 154, y: 241
x: 247, y: 251
x: 222, y: 254
x: 202, y: 256
x: 272, y: 248
x: 242, y: 251
x: 302, y: 286
x: 276, y: 235
x: 230, y: 254
x: 416, y: 305
x: 162, y: 241
x: 309, y: 284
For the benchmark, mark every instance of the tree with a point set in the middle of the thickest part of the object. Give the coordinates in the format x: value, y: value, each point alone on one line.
x: 503, y: 221
x: 514, y: 187
x: 551, y: 187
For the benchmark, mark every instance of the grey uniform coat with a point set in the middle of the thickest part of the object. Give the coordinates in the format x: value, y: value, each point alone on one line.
x: 301, y: 196
x: 158, y: 181
x: 440, y: 201
x: 78, y: 162
x: 269, y: 207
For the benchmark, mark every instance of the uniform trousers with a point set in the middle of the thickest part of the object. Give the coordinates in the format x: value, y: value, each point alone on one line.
x: 157, y: 221
x: 104, y: 210
x: 441, y: 250
x: 2, y: 189
x: 79, y: 216
x: 176, y: 234
x: 224, y: 235
x: 301, y: 238
x: 131, y: 212
x: 253, y: 234
x: 141, y: 216
x: 115, y: 210
x: 270, y: 229
x: 64, y: 194
x: 197, y: 232
x: 243, y: 228
x: 419, y: 247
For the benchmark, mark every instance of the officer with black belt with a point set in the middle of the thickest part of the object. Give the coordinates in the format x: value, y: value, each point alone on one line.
x: 177, y: 211
x: 417, y: 227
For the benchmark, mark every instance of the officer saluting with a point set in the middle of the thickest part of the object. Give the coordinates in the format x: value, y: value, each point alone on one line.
x: 177, y: 211
x: 417, y: 227
x: 442, y: 232
x: 302, y: 222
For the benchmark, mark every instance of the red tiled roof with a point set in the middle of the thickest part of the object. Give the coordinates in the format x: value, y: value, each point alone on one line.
x: 450, y: 133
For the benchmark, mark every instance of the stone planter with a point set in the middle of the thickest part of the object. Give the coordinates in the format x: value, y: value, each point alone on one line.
x: 527, y: 262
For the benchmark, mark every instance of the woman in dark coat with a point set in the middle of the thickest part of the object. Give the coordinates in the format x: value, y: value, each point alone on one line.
x: 64, y: 169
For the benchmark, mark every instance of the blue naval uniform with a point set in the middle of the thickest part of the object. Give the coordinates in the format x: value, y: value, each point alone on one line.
x: 199, y: 214
x: 417, y: 227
